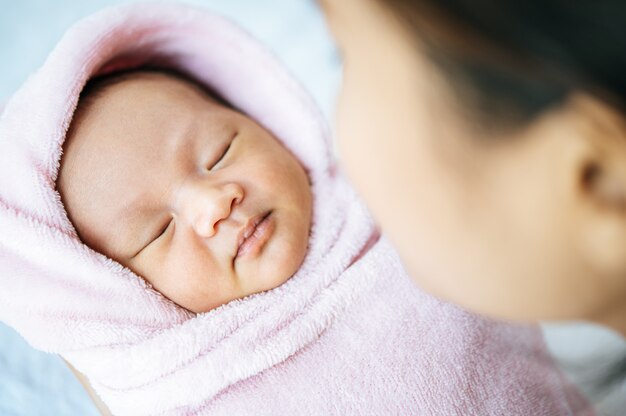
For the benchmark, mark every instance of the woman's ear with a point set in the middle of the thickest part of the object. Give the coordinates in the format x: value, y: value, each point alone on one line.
x: 600, y: 182
x: 603, y: 175
x: 586, y: 139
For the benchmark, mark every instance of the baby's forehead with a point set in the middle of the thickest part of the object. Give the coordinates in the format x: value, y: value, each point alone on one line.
x: 122, y: 142
x: 131, y: 111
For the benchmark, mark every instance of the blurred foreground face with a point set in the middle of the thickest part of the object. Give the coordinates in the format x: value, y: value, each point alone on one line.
x: 527, y: 224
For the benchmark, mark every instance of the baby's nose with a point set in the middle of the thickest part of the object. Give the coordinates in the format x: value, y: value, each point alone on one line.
x: 203, y: 204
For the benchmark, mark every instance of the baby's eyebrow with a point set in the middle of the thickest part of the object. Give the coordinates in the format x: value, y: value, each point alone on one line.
x: 177, y: 142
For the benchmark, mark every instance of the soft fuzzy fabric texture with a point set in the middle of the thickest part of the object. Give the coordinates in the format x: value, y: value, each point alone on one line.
x: 347, y: 334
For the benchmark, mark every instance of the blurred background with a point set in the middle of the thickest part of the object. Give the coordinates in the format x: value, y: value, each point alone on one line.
x: 36, y: 383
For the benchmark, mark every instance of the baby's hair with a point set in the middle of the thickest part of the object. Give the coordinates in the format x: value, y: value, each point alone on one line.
x: 99, y: 84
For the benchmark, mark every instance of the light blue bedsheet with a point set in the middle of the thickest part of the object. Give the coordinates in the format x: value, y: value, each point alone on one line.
x: 36, y: 383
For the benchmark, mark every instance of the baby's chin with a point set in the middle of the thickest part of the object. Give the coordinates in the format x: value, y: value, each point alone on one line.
x: 268, y: 277
x: 278, y: 262
x: 280, y: 259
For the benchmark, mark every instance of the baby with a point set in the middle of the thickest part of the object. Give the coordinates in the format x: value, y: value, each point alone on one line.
x: 189, y: 258
x: 192, y: 195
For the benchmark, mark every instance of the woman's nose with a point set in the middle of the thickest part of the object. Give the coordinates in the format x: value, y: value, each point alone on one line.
x: 203, y: 203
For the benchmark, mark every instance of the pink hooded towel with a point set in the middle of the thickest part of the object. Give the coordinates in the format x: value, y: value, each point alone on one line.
x: 348, y: 334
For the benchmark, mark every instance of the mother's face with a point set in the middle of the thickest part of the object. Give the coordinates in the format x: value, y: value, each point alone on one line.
x: 526, y: 225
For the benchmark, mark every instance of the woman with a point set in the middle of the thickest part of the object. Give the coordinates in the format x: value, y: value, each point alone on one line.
x: 489, y: 140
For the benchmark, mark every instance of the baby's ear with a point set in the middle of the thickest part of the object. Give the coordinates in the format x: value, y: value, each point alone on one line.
x: 600, y: 181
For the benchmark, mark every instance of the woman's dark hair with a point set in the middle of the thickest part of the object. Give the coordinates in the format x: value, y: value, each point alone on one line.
x: 513, y: 59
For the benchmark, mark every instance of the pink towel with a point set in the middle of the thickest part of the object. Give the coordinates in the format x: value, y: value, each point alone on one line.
x: 348, y: 334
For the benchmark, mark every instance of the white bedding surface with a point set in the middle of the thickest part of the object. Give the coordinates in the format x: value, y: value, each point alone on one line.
x: 35, y: 383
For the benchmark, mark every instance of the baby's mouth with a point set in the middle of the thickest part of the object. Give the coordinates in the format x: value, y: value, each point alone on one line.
x: 255, y: 234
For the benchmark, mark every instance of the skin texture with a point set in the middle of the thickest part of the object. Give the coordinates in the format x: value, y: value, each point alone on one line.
x: 525, y: 224
x: 153, y: 156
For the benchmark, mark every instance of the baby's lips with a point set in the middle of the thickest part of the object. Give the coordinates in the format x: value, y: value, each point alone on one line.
x: 249, y: 230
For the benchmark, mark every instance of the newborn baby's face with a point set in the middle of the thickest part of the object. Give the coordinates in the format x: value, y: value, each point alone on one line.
x: 196, y: 198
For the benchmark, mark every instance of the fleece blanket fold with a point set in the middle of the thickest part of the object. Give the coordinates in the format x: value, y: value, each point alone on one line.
x: 348, y: 334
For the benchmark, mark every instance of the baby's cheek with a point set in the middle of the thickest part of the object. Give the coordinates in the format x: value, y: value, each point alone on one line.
x: 173, y: 270
x: 279, y: 265
x: 288, y: 176
x: 293, y: 244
